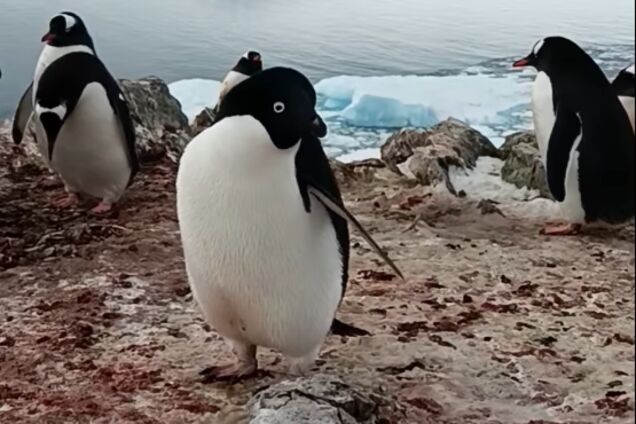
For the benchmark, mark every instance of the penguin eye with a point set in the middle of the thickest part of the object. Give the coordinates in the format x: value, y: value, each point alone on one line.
x: 279, y: 107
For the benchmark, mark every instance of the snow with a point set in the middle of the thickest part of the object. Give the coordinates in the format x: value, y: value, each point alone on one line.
x: 195, y: 95
x: 361, y: 154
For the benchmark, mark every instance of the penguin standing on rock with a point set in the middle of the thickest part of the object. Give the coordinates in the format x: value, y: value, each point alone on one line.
x: 624, y: 85
x: 263, y: 225
x: 250, y: 63
x: 82, y: 123
x: 584, y: 136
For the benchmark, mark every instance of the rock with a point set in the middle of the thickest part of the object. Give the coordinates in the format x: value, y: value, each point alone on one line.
x: 523, y: 166
x: 312, y: 400
x: 426, y: 156
x: 202, y: 121
x: 347, y: 173
x: 162, y: 128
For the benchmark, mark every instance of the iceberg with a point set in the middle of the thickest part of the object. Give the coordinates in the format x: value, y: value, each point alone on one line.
x: 195, y: 95
x: 422, y: 101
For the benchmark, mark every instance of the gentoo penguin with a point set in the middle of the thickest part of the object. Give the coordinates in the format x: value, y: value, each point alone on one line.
x: 584, y: 136
x: 82, y: 123
x: 250, y: 63
x: 263, y: 225
x: 624, y: 85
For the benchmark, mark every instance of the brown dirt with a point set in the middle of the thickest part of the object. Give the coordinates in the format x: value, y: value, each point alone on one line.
x: 495, y: 324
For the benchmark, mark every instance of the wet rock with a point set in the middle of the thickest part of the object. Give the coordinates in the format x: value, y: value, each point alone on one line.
x: 312, y: 400
x: 523, y: 166
x: 426, y: 156
x: 162, y: 128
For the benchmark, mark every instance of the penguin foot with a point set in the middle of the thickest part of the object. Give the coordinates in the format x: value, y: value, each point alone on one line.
x: 301, y: 366
x: 229, y: 373
x: 103, y: 208
x: 68, y: 201
x: 561, y: 229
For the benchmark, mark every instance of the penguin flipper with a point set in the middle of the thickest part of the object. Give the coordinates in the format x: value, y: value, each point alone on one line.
x: 331, y: 204
x: 565, y: 132
x: 23, y: 114
x: 120, y: 106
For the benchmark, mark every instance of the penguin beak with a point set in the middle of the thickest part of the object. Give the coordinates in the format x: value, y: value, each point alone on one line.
x: 318, y: 127
x: 48, y: 37
x: 522, y: 63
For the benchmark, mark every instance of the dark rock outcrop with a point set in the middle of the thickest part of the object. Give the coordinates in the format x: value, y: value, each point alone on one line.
x: 203, y: 121
x: 161, y: 127
x: 523, y: 166
x: 426, y: 156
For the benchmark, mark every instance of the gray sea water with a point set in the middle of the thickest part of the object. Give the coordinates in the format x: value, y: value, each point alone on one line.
x: 187, y: 39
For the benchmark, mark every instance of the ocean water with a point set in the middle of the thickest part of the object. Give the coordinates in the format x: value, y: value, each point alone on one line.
x: 377, y: 65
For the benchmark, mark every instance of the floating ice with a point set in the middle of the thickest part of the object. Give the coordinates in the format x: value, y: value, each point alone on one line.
x: 421, y: 101
x: 195, y: 95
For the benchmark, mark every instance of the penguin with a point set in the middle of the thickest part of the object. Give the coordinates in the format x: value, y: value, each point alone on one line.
x: 584, y: 136
x: 250, y: 63
x: 82, y: 122
x: 263, y: 225
x: 624, y: 85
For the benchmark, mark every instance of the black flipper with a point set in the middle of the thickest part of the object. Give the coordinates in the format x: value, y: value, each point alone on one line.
x: 120, y: 106
x: 339, y: 328
x: 566, y: 129
x: 23, y: 115
x: 335, y: 206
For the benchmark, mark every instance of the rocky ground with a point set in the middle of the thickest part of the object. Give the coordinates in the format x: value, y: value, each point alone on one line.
x: 494, y: 323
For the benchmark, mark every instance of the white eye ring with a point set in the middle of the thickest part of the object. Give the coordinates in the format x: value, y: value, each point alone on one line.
x: 279, y: 107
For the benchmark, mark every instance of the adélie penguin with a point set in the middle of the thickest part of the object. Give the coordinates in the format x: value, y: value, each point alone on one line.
x: 624, y: 85
x: 263, y: 225
x: 82, y: 122
x: 250, y: 63
x: 584, y: 136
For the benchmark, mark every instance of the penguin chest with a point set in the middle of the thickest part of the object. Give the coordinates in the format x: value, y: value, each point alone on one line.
x: 90, y: 151
x: 262, y: 269
x: 231, y: 80
x: 543, y: 111
x: 629, y: 106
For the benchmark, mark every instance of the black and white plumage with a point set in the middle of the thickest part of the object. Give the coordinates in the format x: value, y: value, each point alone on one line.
x: 625, y: 85
x: 263, y: 225
x: 249, y: 64
x: 584, y: 135
x: 82, y: 123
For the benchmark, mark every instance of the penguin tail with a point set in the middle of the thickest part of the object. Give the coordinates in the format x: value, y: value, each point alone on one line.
x: 339, y: 328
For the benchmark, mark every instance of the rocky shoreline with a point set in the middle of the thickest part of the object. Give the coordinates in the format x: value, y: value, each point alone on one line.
x: 495, y: 324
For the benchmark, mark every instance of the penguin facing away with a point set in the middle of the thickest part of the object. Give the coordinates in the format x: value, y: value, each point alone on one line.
x: 250, y: 63
x: 82, y: 122
x: 584, y: 136
x: 625, y: 84
x: 263, y: 225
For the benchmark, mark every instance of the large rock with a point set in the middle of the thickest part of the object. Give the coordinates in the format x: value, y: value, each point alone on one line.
x: 426, y: 156
x: 161, y: 127
x: 320, y: 399
x: 523, y: 166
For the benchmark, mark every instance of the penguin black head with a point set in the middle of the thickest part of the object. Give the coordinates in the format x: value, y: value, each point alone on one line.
x: 555, y: 54
x: 282, y: 100
x: 624, y: 84
x: 67, y: 29
x: 250, y: 63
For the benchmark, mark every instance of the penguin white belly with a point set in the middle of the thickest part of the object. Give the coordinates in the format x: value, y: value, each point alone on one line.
x: 572, y: 205
x: 232, y: 79
x: 263, y: 270
x: 90, y: 150
x: 628, y: 105
x: 543, y: 112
